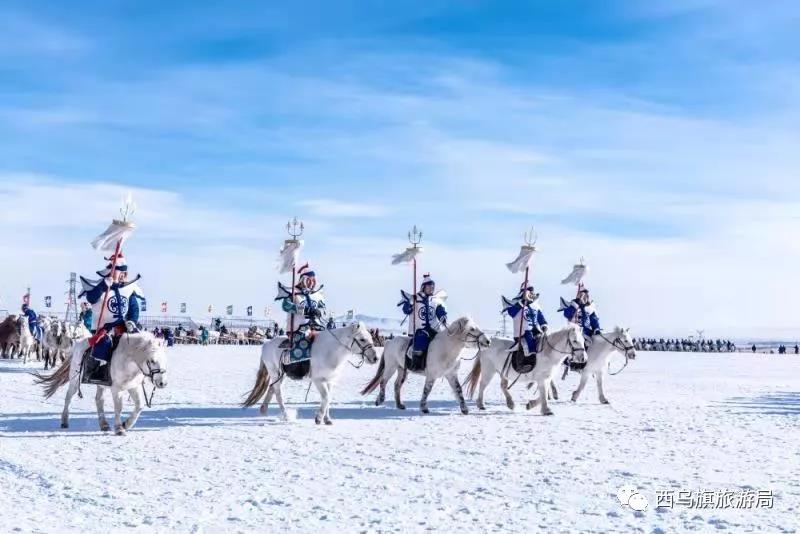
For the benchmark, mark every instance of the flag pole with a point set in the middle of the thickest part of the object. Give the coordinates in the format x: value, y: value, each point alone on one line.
x: 295, y: 229
x: 530, y: 239
x: 415, y: 238
x: 127, y: 210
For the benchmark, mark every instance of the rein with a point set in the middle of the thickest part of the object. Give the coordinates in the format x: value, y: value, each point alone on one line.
x: 569, y: 342
x: 618, y: 344
x: 149, y: 400
x: 362, y: 349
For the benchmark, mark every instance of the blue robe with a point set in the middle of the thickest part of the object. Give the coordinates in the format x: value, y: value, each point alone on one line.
x: 584, y: 315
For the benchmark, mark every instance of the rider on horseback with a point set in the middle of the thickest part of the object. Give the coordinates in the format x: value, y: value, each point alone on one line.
x: 304, y: 311
x: 431, y: 314
x: 33, y: 322
x: 529, y: 320
x: 582, y: 312
x: 122, y: 306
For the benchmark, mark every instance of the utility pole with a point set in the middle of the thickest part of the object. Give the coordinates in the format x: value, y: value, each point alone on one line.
x: 71, y: 315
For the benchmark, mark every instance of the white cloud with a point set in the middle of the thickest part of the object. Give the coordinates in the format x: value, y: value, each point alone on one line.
x: 334, y: 208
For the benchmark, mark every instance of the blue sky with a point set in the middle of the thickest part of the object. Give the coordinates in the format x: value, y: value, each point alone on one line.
x: 658, y: 139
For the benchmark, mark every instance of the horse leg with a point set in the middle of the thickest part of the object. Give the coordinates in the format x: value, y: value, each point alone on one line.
x: 278, y: 386
x: 506, y: 392
x: 323, y: 394
x: 101, y: 416
x: 267, y: 399
x: 71, y: 390
x: 600, y: 382
x: 398, y: 386
x: 453, y: 379
x: 423, y: 403
x: 137, y: 409
x: 388, y: 371
x: 487, y: 374
x: 581, y: 385
x: 117, y: 396
x: 544, y: 389
x: 326, y: 401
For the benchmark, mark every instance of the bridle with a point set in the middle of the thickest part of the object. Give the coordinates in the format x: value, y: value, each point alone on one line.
x: 151, y: 373
x: 619, y: 344
x: 363, y: 347
x: 574, y: 346
x: 468, y: 337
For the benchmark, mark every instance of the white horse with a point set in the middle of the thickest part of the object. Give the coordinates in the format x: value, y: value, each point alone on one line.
x: 56, y: 342
x: 443, y: 361
x: 27, y: 342
x: 554, y: 348
x: 329, y: 352
x: 137, y: 356
x: 598, y: 355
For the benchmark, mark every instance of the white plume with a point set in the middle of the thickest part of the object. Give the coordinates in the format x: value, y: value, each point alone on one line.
x: 289, y: 255
x: 406, y: 256
x: 522, y: 260
x: 117, y: 231
x: 577, y: 274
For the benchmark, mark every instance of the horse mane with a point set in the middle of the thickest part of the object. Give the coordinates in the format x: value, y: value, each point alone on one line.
x: 142, y: 342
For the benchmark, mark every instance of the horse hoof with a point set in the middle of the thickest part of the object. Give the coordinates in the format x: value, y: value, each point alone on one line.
x: 510, y: 405
x: 574, y: 398
x: 64, y: 425
x: 328, y: 422
x: 604, y: 401
x: 119, y: 431
x: 401, y: 406
x: 425, y: 410
x: 465, y: 411
x: 317, y: 420
x: 548, y: 412
x: 529, y: 405
x: 263, y: 410
x: 378, y: 402
x: 482, y: 407
x: 105, y: 427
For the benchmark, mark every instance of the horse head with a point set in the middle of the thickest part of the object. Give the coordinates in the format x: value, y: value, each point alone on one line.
x: 22, y: 325
x: 362, y: 343
x: 466, y: 330
x: 622, y: 342
x: 151, y: 357
x: 576, y: 343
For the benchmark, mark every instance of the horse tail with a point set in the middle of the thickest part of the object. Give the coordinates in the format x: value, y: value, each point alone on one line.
x: 260, y: 387
x: 54, y: 381
x: 370, y: 387
x: 471, y: 381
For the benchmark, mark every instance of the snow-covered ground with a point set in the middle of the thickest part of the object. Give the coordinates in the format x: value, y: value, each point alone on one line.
x: 197, y: 462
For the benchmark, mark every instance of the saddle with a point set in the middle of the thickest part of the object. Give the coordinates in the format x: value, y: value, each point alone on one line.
x: 94, y: 373
x: 297, y: 364
x: 575, y: 366
x: 520, y: 363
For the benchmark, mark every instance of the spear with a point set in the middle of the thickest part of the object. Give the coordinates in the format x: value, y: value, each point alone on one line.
x: 523, y: 260
x: 410, y: 255
x: 115, y: 234
x: 289, y: 255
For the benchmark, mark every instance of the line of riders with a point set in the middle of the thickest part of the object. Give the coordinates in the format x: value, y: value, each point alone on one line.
x: 305, y: 308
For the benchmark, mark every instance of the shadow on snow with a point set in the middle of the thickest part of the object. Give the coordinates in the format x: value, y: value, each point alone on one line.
x: 778, y: 403
x: 82, y: 422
